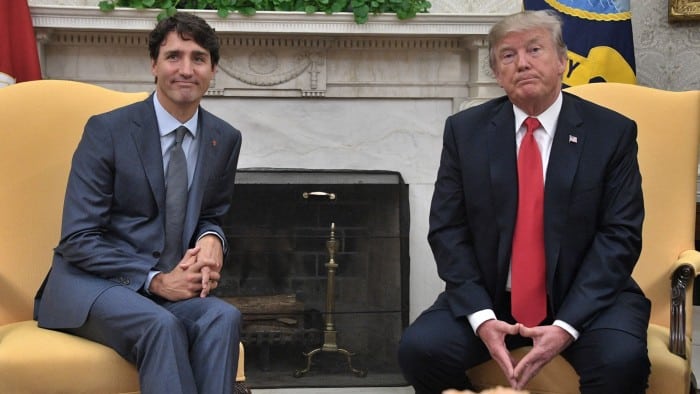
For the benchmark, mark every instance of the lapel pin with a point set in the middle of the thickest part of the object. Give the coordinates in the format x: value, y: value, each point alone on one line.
x: 213, y: 142
x: 573, y: 139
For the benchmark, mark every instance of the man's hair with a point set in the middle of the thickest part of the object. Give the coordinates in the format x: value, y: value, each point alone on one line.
x: 188, y: 27
x: 526, y: 20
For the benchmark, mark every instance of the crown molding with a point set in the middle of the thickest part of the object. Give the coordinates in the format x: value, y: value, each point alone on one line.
x: 90, y: 18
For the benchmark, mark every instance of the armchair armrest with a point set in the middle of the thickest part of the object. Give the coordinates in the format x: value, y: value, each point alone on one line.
x: 684, y: 270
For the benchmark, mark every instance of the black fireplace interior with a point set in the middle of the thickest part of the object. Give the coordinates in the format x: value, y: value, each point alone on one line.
x: 276, y: 272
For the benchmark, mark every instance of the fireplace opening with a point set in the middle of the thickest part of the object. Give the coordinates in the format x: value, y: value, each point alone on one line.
x: 286, y: 228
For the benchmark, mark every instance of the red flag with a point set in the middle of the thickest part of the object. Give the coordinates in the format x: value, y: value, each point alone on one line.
x: 19, y: 60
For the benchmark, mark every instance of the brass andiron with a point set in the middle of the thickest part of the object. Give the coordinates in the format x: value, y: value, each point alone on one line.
x: 329, y: 332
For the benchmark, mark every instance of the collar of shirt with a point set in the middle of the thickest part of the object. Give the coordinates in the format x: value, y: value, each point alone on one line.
x: 167, y: 123
x: 548, y: 118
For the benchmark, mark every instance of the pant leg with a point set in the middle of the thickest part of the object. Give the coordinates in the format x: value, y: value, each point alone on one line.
x: 610, y: 361
x: 436, y: 350
x: 610, y: 356
x: 145, y: 334
x: 213, y: 329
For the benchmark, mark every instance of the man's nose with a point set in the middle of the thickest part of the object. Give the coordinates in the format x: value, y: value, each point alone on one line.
x: 186, y: 67
x: 522, y: 60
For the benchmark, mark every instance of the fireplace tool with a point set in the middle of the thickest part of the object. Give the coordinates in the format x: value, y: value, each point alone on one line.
x: 329, y: 332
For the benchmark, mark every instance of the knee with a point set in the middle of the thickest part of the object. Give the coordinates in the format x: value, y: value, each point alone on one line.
x: 226, y: 315
x: 414, y: 351
x: 166, y: 324
x: 619, y: 371
x: 632, y: 363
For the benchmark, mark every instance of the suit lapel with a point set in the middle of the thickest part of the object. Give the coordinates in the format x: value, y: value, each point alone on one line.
x: 147, y: 139
x: 207, y: 134
x: 504, y: 180
x: 567, y: 146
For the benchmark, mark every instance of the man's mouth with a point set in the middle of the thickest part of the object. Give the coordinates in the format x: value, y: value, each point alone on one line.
x: 527, y: 79
x: 186, y: 83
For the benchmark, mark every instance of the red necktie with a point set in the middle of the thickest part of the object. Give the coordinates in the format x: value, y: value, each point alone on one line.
x: 528, y: 294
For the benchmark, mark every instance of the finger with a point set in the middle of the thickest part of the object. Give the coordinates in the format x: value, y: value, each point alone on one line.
x: 206, y: 271
x: 530, y: 370
x: 214, y: 276
x: 512, y: 329
x: 527, y: 331
x: 189, y: 258
x: 206, y: 282
x: 505, y: 361
x: 528, y: 367
x: 522, y: 364
x: 208, y: 262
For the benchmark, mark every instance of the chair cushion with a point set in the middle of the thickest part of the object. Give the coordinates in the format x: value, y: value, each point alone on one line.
x: 669, y: 374
x: 36, y: 360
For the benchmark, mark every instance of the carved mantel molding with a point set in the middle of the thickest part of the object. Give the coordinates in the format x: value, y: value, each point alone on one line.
x: 282, y: 54
x: 445, y: 25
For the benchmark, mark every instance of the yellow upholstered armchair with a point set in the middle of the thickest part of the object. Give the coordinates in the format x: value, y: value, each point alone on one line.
x: 669, y: 126
x: 40, y: 125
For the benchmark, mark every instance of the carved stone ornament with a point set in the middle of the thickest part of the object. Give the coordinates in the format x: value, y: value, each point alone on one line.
x: 272, y: 69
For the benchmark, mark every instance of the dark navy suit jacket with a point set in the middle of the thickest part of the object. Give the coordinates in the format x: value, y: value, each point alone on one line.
x: 112, y: 231
x: 593, y: 214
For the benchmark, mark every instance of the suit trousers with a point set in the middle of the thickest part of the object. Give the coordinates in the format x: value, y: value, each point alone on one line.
x: 186, y: 347
x: 437, y: 349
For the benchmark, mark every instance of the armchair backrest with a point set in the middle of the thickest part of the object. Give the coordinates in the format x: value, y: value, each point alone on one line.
x: 40, y: 125
x: 668, y: 125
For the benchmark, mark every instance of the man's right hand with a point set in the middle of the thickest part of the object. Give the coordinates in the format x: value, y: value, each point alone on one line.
x: 184, y: 281
x: 493, y: 334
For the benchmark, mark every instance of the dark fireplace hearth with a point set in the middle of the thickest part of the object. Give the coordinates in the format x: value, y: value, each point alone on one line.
x: 276, y: 273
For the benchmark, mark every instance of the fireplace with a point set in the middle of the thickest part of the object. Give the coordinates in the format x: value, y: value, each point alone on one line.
x: 276, y: 272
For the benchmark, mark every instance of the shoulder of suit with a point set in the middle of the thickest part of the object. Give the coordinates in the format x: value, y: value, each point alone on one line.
x: 486, y: 110
x: 126, y: 113
x: 219, y: 123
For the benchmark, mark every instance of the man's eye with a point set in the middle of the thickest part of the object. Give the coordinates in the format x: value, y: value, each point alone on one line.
x: 507, y: 57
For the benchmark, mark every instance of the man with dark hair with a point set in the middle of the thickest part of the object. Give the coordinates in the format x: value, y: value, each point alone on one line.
x: 535, y: 226
x: 141, y: 241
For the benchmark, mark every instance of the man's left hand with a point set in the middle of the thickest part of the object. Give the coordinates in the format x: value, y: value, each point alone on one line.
x: 547, y: 343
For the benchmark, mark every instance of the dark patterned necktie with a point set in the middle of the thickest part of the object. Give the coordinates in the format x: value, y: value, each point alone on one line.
x: 175, y: 203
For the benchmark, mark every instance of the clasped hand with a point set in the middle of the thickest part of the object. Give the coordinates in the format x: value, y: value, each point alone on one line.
x: 547, y: 342
x: 197, y: 273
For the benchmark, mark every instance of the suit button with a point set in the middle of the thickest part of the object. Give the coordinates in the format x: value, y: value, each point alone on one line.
x: 156, y: 254
x: 123, y: 280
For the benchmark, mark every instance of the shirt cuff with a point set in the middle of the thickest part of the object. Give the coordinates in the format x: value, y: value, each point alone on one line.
x: 149, y: 279
x: 478, y: 318
x: 567, y: 327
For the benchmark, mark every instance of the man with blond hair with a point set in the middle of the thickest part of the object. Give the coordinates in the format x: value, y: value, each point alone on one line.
x: 535, y: 226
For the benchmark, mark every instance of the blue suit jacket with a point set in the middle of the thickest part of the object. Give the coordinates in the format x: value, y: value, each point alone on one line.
x: 112, y: 231
x: 593, y: 214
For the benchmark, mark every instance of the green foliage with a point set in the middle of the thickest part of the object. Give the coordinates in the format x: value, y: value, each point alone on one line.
x: 362, y: 9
